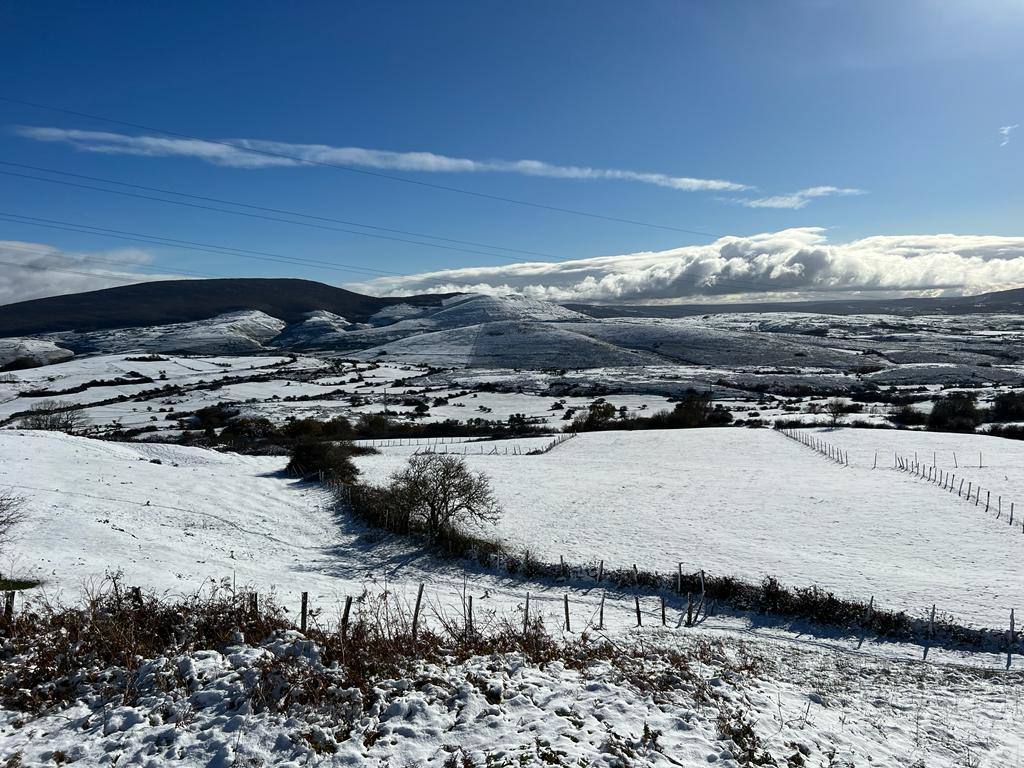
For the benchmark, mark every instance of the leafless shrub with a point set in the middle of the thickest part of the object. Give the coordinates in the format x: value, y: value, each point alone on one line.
x: 54, y: 416
x: 835, y: 409
x: 435, y: 494
x: 12, y: 512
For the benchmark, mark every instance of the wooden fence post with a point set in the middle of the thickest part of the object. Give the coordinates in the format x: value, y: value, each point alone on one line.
x: 526, y: 615
x: 344, y: 615
x: 1011, y: 637
x: 639, y: 620
x: 600, y: 571
x: 469, y: 618
x: 679, y: 579
x: 568, y: 627
x: 415, y: 612
x: 304, y: 611
x: 600, y: 613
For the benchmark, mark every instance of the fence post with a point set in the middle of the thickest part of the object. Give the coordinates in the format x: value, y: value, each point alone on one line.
x: 1010, y: 641
x: 679, y: 579
x: 663, y: 610
x: 600, y: 613
x: 568, y: 627
x: 469, y: 618
x: 600, y: 571
x: 344, y: 615
x: 304, y: 611
x: 415, y: 612
x: 639, y: 620
x: 526, y: 615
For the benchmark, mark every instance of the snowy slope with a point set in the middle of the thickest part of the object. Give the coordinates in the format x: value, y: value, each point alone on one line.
x: 510, y: 344
x: 233, y: 333
x: 32, y: 352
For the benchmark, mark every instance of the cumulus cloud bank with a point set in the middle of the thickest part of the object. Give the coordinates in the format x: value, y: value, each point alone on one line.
x: 792, y: 262
x: 254, y: 153
x: 33, y: 270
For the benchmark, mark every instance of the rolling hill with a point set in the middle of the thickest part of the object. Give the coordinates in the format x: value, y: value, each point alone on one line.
x: 181, y: 301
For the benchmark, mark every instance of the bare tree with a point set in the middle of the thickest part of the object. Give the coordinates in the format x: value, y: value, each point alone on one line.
x: 835, y: 409
x: 54, y: 416
x: 440, y: 492
x: 11, y: 513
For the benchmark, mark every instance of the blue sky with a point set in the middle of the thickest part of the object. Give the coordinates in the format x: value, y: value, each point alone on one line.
x: 890, y: 111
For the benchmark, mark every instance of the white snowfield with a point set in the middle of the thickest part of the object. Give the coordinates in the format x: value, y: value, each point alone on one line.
x: 753, y: 503
x: 748, y: 503
x: 732, y: 500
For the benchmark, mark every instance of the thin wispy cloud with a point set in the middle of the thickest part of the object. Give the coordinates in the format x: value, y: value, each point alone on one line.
x: 799, y: 199
x: 775, y: 264
x: 1005, y: 132
x: 254, y: 153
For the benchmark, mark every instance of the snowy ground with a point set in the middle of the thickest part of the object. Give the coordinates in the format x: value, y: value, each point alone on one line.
x: 804, y: 707
x: 752, y: 503
x: 200, y: 517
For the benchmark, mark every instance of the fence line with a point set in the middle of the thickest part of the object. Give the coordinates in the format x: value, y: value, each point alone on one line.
x: 816, y: 444
x: 952, y: 483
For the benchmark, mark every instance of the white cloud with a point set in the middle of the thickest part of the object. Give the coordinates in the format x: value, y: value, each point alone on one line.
x: 798, y: 199
x: 793, y: 262
x: 34, y: 270
x: 236, y: 153
x: 1005, y: 132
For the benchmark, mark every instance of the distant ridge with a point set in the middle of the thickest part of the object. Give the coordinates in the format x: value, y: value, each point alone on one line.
x: 999, y: 302
x: 179, y: 301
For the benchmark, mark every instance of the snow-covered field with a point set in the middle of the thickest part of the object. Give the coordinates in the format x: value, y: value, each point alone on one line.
x: 752, y: 503
x: 741, y: 501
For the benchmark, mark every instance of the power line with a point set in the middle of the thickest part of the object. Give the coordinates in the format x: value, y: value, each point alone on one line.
x: 264, y: 217
x: 722, y: 281
x: 741, y: 284
x: 362, y: 171
x: 191, y: 245
x: 46, y: 251
x: 285, y: 211
x: 70, y: 272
